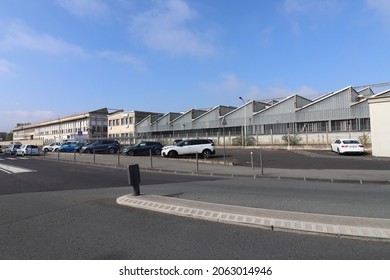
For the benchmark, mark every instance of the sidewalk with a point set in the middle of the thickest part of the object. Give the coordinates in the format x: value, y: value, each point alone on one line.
x: 339, y: 226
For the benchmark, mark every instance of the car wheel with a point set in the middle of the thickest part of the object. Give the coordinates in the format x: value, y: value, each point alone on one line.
x: 111, y: 150
x: 206, y: 153
x: 45, y: 150
x: 89, y: 151
x: 56, y: 150
x: 157, y: 152
x: 130, y: 153
x: 172, y: 154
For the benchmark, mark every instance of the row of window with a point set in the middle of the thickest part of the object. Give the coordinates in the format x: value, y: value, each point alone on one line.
x: 120, y: 135
x: 122, y: 121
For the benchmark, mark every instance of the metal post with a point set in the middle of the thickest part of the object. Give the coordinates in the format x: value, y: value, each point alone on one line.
x: 261, y: 164
x: 151, y: 159
x: 119, y: 157
x: 307, y: 136
x: 224, y: 146
x: 197, y: 162
x: 327, y: 133
x: 74, y: 155
x: 288, y: 137
x: 134, y: 178
x: 252, y: 161
x: 349, y: 128
x: 94, y: 156
x: 58, y: 154
x: 244, y: 141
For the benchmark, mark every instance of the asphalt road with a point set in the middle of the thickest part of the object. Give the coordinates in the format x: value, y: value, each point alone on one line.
x: 66, y: 211
x: 56, y: 176
x: 71, y: 226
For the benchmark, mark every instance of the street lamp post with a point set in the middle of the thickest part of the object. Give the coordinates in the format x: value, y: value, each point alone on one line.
x: 244, y: 142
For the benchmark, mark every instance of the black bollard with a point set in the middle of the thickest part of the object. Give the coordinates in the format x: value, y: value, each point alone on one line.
x: 134, y: 178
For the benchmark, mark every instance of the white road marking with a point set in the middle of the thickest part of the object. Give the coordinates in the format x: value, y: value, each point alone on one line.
x: 14, y: 169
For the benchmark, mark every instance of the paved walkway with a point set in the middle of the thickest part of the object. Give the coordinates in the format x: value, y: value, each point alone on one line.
x: 339, y: 226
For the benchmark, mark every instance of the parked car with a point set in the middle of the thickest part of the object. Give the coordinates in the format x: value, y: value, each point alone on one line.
x: 143, y: 148
x: 344, y: 146
x: 53, y: 147
x: 11, y: 149
x: 27, y: 150
x: 70, y: 147
x: 102, y: 146
x: 205, y: 147
x: 1, y: 149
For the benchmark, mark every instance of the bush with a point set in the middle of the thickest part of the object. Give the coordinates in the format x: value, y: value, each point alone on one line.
x: 294, y: 139
x: 250, y: 141
x: 364, y: 139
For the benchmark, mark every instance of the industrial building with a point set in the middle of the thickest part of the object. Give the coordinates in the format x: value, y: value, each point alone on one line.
x: 84, y: 125
x: 344, y: 113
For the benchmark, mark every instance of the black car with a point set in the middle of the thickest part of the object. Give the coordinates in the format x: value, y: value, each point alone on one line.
x: 102, y: 146
x: 143, y: 148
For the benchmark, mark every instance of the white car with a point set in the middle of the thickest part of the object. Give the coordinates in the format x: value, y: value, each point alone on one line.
x: 343, y: 146
x: 204, y: 147
x: 27, y: 150
x: 53, y: 147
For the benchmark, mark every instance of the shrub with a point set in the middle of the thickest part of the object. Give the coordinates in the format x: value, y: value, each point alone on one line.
x: 294, y: 139
x: 250, y: 141
x: 364, y: 139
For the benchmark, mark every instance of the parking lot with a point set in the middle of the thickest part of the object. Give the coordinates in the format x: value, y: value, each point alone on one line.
x: 302, y: 159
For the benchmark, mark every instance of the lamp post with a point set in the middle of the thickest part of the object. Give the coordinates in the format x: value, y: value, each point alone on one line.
x: 244, y: 142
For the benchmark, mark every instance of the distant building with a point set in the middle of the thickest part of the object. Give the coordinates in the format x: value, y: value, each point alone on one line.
x: 122, y: 124
x: 87, y: 125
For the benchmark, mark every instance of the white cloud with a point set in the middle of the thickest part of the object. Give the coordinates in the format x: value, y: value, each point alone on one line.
x: 165, y: 28
x: 226, y: 83
x: 312, y: 7
x: 11, y: 118
x: 279, y: 92
x: 230, y: 85
x: 123, y: 58
x: 381, y: 8
x: 80, y: 8
x: 5, y: 67
x: 310, y: 13
x: 19, y: 35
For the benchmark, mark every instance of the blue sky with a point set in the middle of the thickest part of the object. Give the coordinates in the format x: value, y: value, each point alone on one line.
x: 59, y: 57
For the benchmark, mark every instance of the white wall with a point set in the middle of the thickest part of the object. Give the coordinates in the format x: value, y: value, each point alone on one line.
x: 380, y: 128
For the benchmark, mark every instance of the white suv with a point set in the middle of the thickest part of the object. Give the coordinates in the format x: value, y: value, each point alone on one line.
x: 53, y: 147
x: 205, y: 147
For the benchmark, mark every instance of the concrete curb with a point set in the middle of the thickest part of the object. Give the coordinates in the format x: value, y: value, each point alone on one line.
x: 336, y: 226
